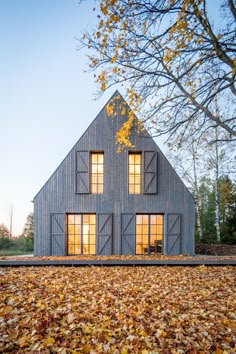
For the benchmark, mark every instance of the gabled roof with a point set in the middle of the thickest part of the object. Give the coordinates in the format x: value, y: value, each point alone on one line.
x: 117, y: 98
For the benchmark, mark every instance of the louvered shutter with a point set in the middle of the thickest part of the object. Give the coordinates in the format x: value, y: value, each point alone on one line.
x: 149, y: 172
x: 82, y: 172
x: 173, y: 232
x: 127, y: 233
x: 57, y: 234
x: 104, y: 234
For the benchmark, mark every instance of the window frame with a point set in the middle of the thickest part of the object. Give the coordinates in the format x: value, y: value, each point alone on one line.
x: 161, y: 244
x: 99, y: 152
x: 81, y: 235
x: 139, y: 153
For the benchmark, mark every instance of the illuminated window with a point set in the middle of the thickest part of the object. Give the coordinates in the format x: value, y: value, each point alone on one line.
x: 149, y: 232
x: 97, y: 166
x: 81, y: 231
x: 135, y: 173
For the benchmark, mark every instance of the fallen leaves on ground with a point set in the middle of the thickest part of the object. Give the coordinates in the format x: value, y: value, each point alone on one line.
x: 118, y: 310
x: 115, y: 257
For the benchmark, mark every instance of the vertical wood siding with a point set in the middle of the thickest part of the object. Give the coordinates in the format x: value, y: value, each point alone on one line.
x: 165, y: 192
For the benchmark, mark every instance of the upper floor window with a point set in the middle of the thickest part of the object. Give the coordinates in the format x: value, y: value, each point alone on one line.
x: 97, y: 172
x: 135, y: 161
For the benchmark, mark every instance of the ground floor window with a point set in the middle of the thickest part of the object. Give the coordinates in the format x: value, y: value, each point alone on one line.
x: 149, y: 233
x: 81, y: 233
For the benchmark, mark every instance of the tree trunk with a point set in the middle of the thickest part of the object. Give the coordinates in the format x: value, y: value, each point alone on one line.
x: 199, y: 224
x: 217, y: 203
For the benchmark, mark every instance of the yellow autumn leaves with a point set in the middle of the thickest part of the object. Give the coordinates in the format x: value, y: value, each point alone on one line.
x: 123, y: 135
x: 117, y: 310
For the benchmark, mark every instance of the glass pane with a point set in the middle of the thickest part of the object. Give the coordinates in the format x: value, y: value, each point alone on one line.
x: 139, y: 249
x: 92, y: 219
x: 71, y: 249
x: 138, y: 219
x: 145, y: 238
x: 100, y: 179
x: 152, y: 240
x: 100, y: 158
x: 145, y: 248
x: 85, y: 233
x: 131, y: 169
x: 94, y: 179
x: 137, y: 189
x: 94, y: 168
x: 92, y: 238
x: 160, y: 219
x: 139, y: 239
x: 94, y: 158
x: 86, y: 219
x: 137, y: 159
x: 85, y: 249
x: 92, y: 249
x: 137, y: 169
x: 100, y: 188
x: 71, y: 229
x: 159, y: 229
x: 131, y: 159
x: 145, y: 219
x: 153, y: 229
x: 70, y: 219
x: 100, y: 169
x: 93, y: 188
x: 153, y: 219
x: 139, y: 229
x: 77, y: 230
x: 77, y: 219
x: 131, y: 189
x: 131, y: 179
x: 71, y: 239
x: 77, y: 249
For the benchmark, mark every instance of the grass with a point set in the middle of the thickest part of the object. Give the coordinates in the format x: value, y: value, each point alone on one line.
x: 13, y: 252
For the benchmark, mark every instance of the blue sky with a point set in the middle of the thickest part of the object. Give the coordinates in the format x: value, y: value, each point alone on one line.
x: 46, y: 99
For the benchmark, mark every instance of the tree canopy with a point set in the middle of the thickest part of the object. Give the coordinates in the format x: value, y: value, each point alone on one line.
x: 173, y: 61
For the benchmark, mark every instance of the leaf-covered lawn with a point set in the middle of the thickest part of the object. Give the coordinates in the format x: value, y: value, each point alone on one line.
x: 118, y: 310
x: 116, y: 257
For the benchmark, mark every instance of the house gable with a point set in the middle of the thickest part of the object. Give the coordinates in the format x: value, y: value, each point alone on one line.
x: 68, y: 189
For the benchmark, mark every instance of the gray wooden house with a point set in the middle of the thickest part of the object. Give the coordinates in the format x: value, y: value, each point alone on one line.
x: 102, y: 202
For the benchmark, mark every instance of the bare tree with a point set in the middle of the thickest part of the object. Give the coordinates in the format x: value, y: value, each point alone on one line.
x: 172, y: 60
x: 188, y: 162
x: 11, y: 219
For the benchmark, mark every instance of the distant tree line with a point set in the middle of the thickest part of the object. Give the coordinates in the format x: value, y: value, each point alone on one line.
x: 208, y: 171
x: 207, y: 210
x: 17, y: 245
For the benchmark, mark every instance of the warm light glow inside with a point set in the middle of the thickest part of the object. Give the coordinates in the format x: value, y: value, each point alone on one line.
x: 81, y: 234
x: 97, y: 173
x: 149, y: 233
x: 134, y: 173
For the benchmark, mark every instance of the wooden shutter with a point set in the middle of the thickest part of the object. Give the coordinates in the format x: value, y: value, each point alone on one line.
x: 127, y: 233
x: 149, y: 172
x: 57, y: 234
x: 173, y: 232
x: 104, y: 234
x: 82, y: 172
